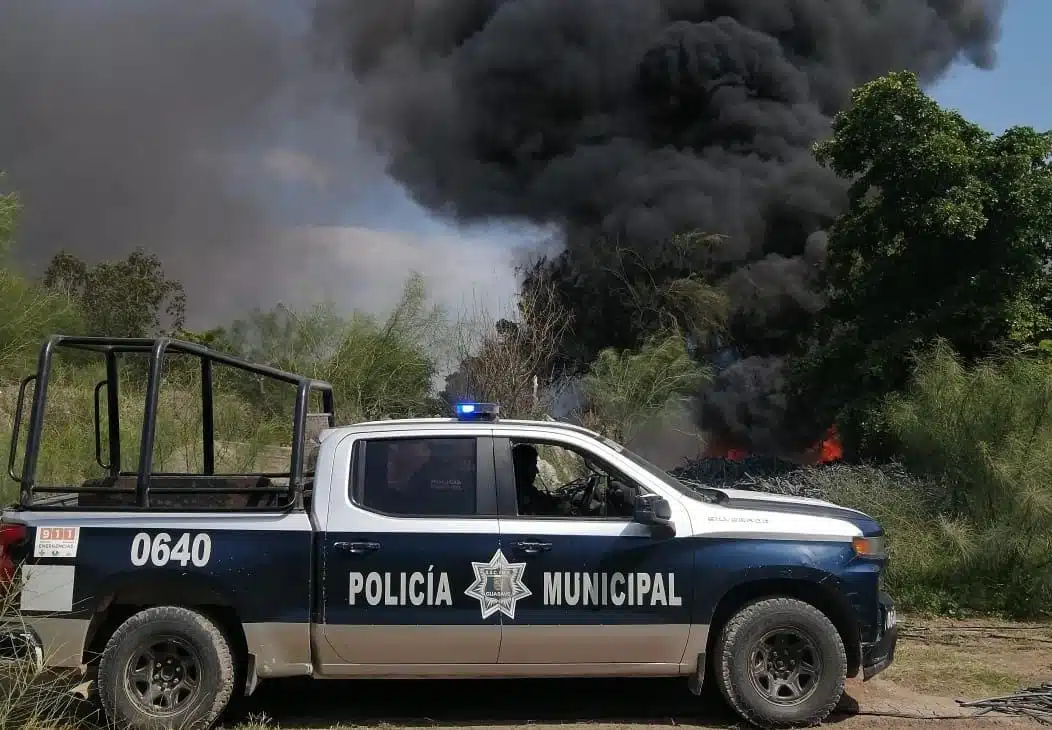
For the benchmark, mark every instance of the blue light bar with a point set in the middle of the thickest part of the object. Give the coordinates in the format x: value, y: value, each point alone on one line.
x: 476, y: 411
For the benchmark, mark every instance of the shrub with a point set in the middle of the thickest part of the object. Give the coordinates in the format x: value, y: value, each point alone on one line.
x: 378, y: 369
x: 924, y: 548
x: 624, y: 389
x: 28, y: 314
x: 984, y: 435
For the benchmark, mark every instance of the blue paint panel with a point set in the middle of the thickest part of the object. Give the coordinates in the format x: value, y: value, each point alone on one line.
x: 267, y: 575
x: 724, y: 563
x: 860, y: 585
x: 398, y: 558
x: 602, y: 558
x: 264, y: 575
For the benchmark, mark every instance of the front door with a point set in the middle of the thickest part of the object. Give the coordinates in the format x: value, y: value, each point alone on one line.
x: 598, y: 587
x: 398, y: 555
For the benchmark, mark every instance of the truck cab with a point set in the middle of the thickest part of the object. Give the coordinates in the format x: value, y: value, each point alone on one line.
x: 463, y: 547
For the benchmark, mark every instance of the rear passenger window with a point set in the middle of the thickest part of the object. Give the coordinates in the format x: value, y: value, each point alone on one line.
x: 416, y: 477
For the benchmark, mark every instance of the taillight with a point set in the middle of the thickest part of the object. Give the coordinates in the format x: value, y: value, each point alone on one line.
x: 10, y: 535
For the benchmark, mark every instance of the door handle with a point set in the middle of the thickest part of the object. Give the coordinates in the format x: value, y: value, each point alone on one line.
x: 532, y: 547
x: 358, y: 548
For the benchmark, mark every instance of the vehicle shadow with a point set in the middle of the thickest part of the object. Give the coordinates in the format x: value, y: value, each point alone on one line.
x: 491, y: 702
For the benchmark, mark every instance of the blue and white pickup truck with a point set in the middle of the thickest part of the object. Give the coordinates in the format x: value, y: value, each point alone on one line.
x: 468, y: 547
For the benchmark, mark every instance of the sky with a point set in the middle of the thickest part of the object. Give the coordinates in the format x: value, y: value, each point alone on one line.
x: 1010, y: 94
x: 995, y: 99
x: 345, y: 231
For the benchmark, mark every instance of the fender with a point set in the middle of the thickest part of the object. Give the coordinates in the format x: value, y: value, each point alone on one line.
x: 724, y: 566
x: 120, y: 594
x: 158, y: 586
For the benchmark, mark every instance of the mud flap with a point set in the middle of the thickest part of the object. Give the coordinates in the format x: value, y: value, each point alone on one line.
x: 697, y: 679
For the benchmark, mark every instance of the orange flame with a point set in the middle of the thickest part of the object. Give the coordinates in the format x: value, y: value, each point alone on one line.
x: 828, y: 449
x: 736, y: 454
x: 824, y: 451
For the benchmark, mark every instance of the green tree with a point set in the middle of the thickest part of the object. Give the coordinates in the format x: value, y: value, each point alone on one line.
x: 378, y: 368
x: 620, y: 297
x: 10, y: 209
x: 131, y: 297
x: 946, y: 236
x: 623, y: 389
x: 28, y: 312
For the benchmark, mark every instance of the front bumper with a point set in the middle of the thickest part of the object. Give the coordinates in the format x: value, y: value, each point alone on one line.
x: 878, y: 656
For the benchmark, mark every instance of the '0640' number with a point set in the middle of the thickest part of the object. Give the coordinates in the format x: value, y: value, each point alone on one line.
x: 160, y: 550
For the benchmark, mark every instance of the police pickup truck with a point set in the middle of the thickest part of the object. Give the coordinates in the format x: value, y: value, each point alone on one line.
x: 468, y: 547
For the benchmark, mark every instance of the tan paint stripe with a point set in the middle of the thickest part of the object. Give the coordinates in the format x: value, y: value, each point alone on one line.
x: 62, y: 638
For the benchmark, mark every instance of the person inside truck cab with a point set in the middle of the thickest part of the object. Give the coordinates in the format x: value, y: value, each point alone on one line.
x: 532, y: 501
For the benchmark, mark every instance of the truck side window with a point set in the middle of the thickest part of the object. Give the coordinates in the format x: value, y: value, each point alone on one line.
x: 417, y: 477
x: 554, y: 480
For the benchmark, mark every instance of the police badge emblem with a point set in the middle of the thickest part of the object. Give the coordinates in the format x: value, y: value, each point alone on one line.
x: 498, y: 585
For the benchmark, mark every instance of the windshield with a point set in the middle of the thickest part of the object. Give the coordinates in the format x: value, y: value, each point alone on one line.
x: 697, y: 492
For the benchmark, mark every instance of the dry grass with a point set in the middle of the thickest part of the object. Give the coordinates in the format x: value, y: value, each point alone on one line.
x: 31, y: 698
x: 245, y: 442
x: 971, y: 659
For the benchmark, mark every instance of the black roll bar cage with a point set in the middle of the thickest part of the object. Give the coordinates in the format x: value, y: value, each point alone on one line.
x: 157, y: 348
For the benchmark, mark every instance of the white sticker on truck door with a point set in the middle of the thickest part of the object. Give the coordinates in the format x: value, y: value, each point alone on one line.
x: 56, y: 542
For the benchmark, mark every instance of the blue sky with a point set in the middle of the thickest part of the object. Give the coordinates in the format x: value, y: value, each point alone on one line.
x: 1013, y: 92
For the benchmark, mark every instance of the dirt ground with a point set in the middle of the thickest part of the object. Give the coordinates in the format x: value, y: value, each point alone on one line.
x: 938, y: 662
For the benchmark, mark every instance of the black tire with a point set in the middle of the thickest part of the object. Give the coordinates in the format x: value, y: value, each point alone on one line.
x: 770, y: 697
x: 184, y: 652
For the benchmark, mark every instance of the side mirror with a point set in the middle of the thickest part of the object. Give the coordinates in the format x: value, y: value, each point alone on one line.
x: 650, y: 509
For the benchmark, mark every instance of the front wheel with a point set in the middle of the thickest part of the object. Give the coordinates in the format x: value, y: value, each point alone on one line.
x: 166, y: 667
x: 780, y: 662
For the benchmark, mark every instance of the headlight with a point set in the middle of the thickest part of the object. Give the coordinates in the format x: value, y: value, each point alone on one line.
x: 869, y: 547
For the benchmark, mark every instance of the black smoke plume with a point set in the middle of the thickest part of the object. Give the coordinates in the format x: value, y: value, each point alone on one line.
x: 627, y: 121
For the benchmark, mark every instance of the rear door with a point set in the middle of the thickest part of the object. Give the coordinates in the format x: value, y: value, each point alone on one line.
x: 418, y: 509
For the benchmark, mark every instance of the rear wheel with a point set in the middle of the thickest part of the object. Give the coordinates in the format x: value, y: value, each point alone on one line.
x: 166, y: 667
x: 780, y: 662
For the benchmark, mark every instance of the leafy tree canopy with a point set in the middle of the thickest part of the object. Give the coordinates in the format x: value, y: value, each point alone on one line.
x: 379, y: 368
x: 619, y: 297
x: 28, y: 312
x: 10, y: 207
x: 946, y: 236
x: 623, y: 389
x: 127, y: 298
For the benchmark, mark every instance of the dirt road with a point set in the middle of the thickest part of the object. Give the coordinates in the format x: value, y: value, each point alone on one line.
x: 938, y: 663
x: 567, y: 705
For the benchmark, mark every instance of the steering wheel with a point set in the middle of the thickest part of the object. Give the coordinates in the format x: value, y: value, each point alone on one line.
x: 580, y: 505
